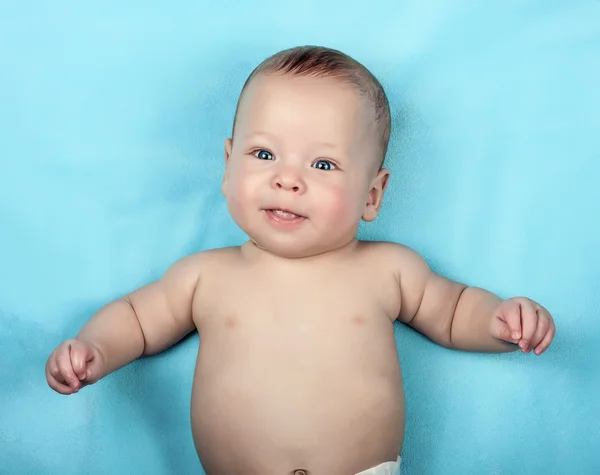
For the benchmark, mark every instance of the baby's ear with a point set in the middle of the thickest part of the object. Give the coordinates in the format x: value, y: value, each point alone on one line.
x: 375, y: 196
x: 228, y: 147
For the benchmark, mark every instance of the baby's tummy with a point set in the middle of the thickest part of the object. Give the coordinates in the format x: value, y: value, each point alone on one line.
x: 276, y: 408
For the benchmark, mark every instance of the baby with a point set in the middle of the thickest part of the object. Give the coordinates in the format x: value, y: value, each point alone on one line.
x: 297, y: 370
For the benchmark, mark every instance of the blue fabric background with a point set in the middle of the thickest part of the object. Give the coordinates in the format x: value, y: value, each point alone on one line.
x: 112, y: 120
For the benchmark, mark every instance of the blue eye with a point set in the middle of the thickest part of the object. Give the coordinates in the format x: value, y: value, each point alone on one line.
x: 263, y: 155
x: 324, y: 165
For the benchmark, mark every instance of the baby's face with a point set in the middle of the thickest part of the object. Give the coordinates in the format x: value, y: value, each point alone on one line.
x: 303, y: 165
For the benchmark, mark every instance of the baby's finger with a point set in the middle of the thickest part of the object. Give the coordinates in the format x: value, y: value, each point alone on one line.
x: 59, y: 387
x: 52, y: 368
x: 529, y: 322
x: 93, y: 371
x: 512, y: 316
x: 542, y: 312
x: 55, y: 379
x: 65, y: 368
x: 80, y: 356
x: 499, y: 329
x: 540, y: 331
x: 545, y: 343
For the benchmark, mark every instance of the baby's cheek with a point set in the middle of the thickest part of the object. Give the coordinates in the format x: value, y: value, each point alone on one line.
x: 238, y: 197
x: 343, y: 208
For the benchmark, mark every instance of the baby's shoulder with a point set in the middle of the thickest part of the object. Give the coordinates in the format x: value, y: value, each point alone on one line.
x: 394, y: 255
x: 219, y: 256
x: 207, y: 261
x: 385, y: 249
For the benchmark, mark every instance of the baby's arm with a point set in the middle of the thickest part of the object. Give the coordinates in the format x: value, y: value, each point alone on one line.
x: 144, y: 322
x: 457, y: 316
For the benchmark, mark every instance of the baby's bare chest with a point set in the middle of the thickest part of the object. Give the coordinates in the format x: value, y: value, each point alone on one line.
x: 301, y: 301
x: 305, y: 321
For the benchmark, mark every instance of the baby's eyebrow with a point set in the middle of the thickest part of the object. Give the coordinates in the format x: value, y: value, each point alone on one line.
x: 263, y: 134
x: 327, y: 145
x: 259, y: 134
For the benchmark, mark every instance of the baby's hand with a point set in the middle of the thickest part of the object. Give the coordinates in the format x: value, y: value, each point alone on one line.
x: 72, y: 365
x: 523, y: 322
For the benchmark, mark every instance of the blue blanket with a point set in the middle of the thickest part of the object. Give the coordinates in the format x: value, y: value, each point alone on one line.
x: 112, y: 120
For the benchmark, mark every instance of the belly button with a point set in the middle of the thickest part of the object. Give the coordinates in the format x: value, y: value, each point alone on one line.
x: 300, y: 472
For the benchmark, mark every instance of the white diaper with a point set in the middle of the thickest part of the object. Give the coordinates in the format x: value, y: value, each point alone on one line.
x: 386, y: 468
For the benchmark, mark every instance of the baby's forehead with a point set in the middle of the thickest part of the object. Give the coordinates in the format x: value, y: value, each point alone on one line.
x: 277, y: 86
x: 311, y: 98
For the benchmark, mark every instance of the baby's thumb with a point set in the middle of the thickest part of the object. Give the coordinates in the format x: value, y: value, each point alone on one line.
x: 81, y: 355
x: 500, y: 330
x: 94, y: 370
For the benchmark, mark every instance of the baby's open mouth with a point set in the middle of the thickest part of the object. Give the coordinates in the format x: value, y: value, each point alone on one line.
x: 284, y: 216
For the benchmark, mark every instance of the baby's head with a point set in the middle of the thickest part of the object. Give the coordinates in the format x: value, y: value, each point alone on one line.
x: 305, y: 161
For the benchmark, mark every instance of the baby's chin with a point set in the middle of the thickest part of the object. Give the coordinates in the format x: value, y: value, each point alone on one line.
x: 286, y: 251
x: 295, y: 250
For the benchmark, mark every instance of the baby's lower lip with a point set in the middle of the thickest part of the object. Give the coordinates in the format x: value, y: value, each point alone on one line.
x: 284, y: 217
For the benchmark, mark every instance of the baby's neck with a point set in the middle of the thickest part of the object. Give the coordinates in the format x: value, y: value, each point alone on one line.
x: 254, y: 252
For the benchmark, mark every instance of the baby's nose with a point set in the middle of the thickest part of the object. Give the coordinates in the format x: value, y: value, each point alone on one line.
x: 289, y: 182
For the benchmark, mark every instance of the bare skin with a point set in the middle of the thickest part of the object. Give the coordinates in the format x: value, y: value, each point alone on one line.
x: 297, y: 370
